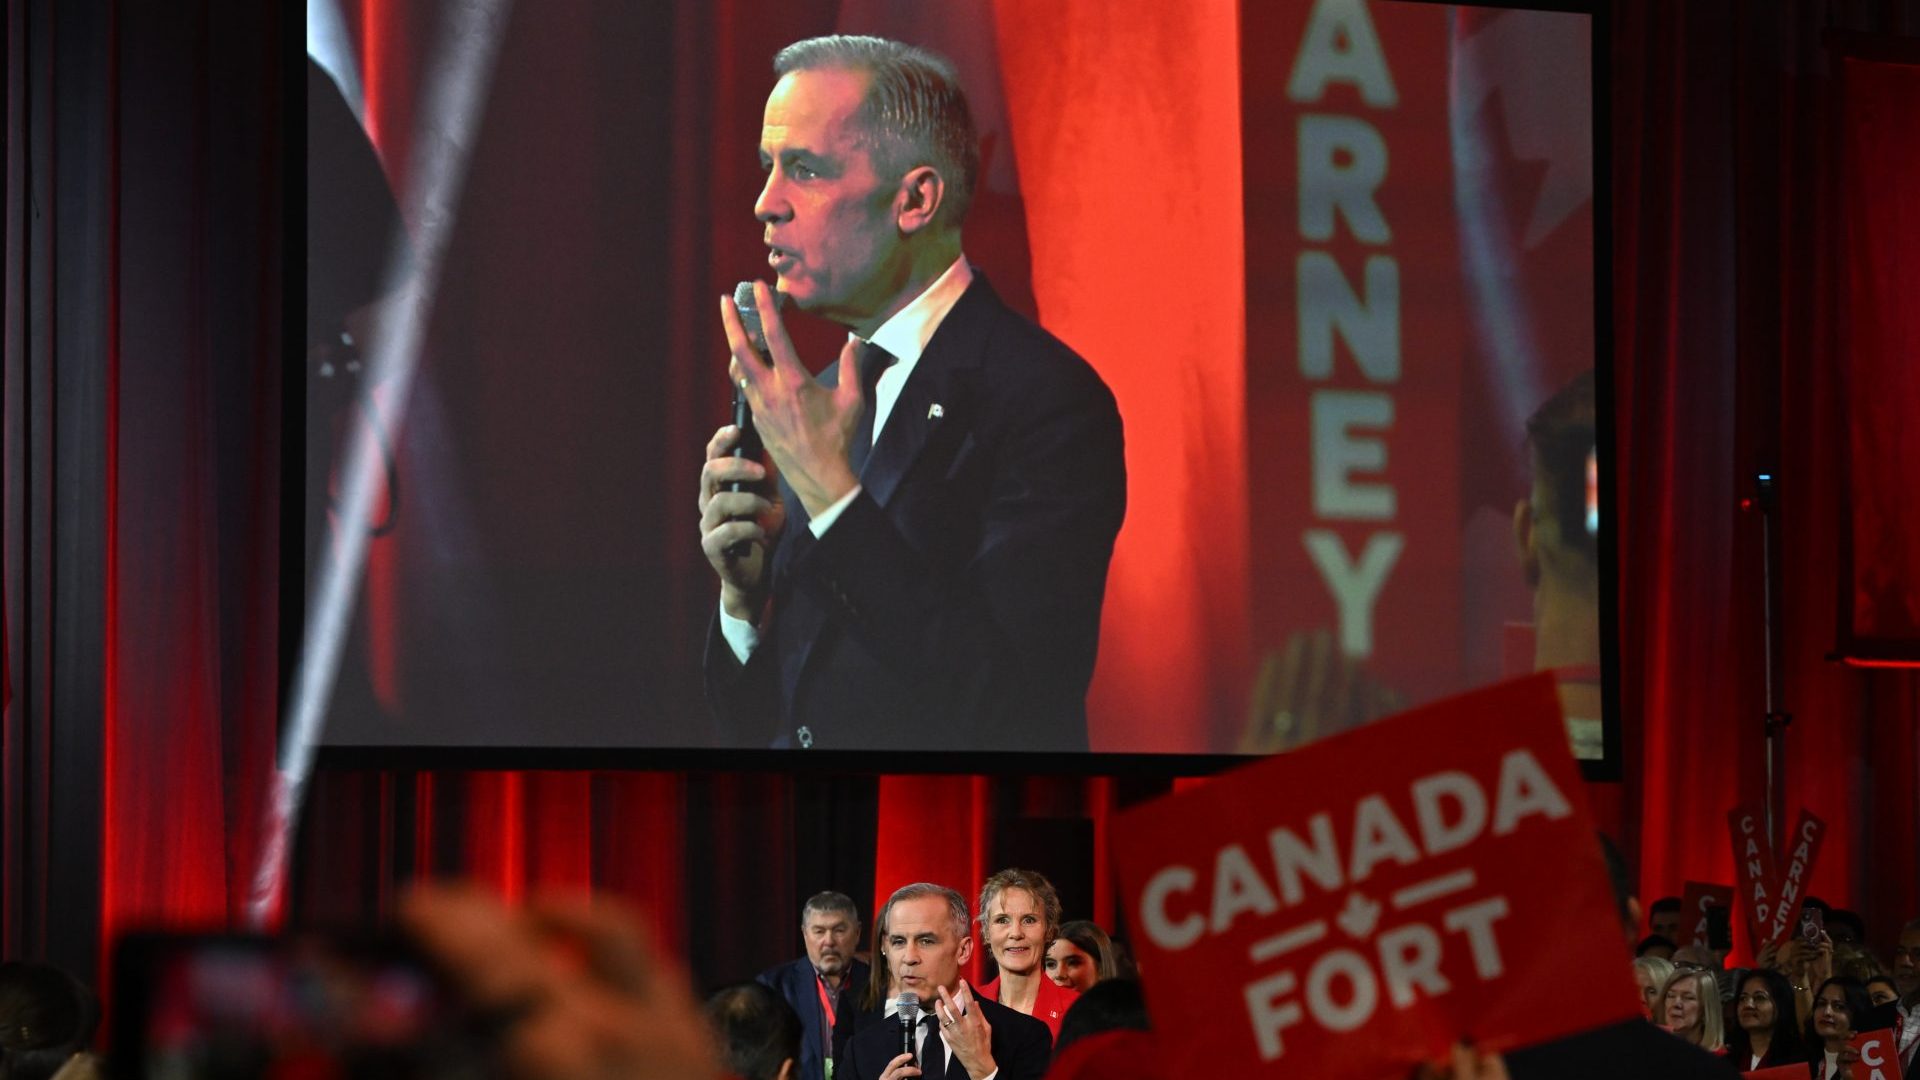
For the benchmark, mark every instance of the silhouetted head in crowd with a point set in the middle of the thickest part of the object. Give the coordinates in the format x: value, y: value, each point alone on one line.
x: 759, y: 1032
x: 1846, y: 927
x: 1697, y: 958
x: 1855, y: 962
x: 1657, y: 946
x: 46, y: 1016
x: 1764, y: 1021
x: 1881, y: 990
x: 1906, y: 962
x: 1650, y: 973
x: 831, y: 928
x: 1663, y: 918
x: 1019, y: 916
x: 1081, y: 956
x: 1111, y: 1005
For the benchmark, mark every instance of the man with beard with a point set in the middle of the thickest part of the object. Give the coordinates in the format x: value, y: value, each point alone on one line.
x: 824, y: 983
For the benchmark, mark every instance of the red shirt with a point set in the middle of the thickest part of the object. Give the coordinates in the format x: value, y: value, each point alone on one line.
x: 1048, y: 1007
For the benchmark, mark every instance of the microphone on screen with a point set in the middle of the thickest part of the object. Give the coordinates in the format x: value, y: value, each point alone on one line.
x: 909, y: 1010
x: 749, y: 444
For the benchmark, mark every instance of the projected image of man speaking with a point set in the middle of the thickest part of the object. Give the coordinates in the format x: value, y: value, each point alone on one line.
x: 924, y: 562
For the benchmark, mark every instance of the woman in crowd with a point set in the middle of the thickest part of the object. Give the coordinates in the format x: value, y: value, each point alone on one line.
x: 1765, y: 1031
x: 1836, y: 1004
x: 1019, y: 916
x: 1081, y: 956
x: 1651, y: 973
x: 1881, y: 989
x: 1690, y: 1008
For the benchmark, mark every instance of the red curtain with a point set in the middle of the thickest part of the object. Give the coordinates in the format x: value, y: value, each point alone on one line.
x: 1723, y: 322
x: 1879, y: 242
x: 1141, y: 271
x: 1725, y: 368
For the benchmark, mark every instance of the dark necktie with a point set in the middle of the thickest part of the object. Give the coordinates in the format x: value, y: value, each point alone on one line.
x: 933, y: 1053
x: 872, y: 360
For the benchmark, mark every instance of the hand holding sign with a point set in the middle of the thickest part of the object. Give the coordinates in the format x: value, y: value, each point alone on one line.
x: 1876, y: 1056
x: 1358, y: 900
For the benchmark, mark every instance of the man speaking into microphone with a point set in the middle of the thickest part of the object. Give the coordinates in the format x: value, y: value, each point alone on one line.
x: 925, y: 562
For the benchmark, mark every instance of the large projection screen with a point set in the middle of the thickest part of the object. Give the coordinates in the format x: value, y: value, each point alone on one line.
x: 1406, y: 421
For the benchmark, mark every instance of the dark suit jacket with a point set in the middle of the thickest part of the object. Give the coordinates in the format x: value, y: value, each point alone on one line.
x: 1632, y: 1049
x: 1022, y: 1048
x: 955, y: 604
x: 795, y: 981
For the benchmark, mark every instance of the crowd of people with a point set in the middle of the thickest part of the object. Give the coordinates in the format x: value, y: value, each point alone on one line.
x: 1801, y: 1002
x: 923, y: 937
x: 574, y: 988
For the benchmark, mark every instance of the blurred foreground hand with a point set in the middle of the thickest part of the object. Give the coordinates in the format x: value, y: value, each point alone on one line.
x: 1307, y: 690
x: 574, y: 985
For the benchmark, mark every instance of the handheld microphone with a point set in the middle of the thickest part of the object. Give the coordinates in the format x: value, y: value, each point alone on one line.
x: 909, y: 1009
x: 749, y: 445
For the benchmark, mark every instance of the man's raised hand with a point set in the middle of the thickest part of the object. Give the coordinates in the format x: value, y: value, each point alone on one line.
x: 805, y: 427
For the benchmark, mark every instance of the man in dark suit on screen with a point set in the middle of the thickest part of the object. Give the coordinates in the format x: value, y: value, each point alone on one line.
x: 929, y: 570
x: 957, y: 1036
x: 824, y: 984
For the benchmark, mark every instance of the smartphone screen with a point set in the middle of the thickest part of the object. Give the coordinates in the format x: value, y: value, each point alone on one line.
x: 223, y: 1005
x: 1813, y: 922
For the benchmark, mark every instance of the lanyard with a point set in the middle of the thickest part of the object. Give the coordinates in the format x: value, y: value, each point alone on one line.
x: 826, y: 1006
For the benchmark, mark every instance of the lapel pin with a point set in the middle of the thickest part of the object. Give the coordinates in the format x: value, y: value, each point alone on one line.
x: 935, y: 412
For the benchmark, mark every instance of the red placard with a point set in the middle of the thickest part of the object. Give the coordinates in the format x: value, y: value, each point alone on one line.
x: 1753, y: 867
x: 1803, y: 846
x: 1359, y: 905
x: 1879, y: 1055
x: 1694, y: 902
x: 1357, y: 331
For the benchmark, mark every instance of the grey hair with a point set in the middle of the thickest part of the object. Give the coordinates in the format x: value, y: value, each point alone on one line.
x: 956, y: 904
x: 914, y: 114
x: 830, y: 902
x: 1658, y: 971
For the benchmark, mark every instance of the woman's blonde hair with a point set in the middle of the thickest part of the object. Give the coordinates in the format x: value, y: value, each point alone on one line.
x: 1711, y: 1033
